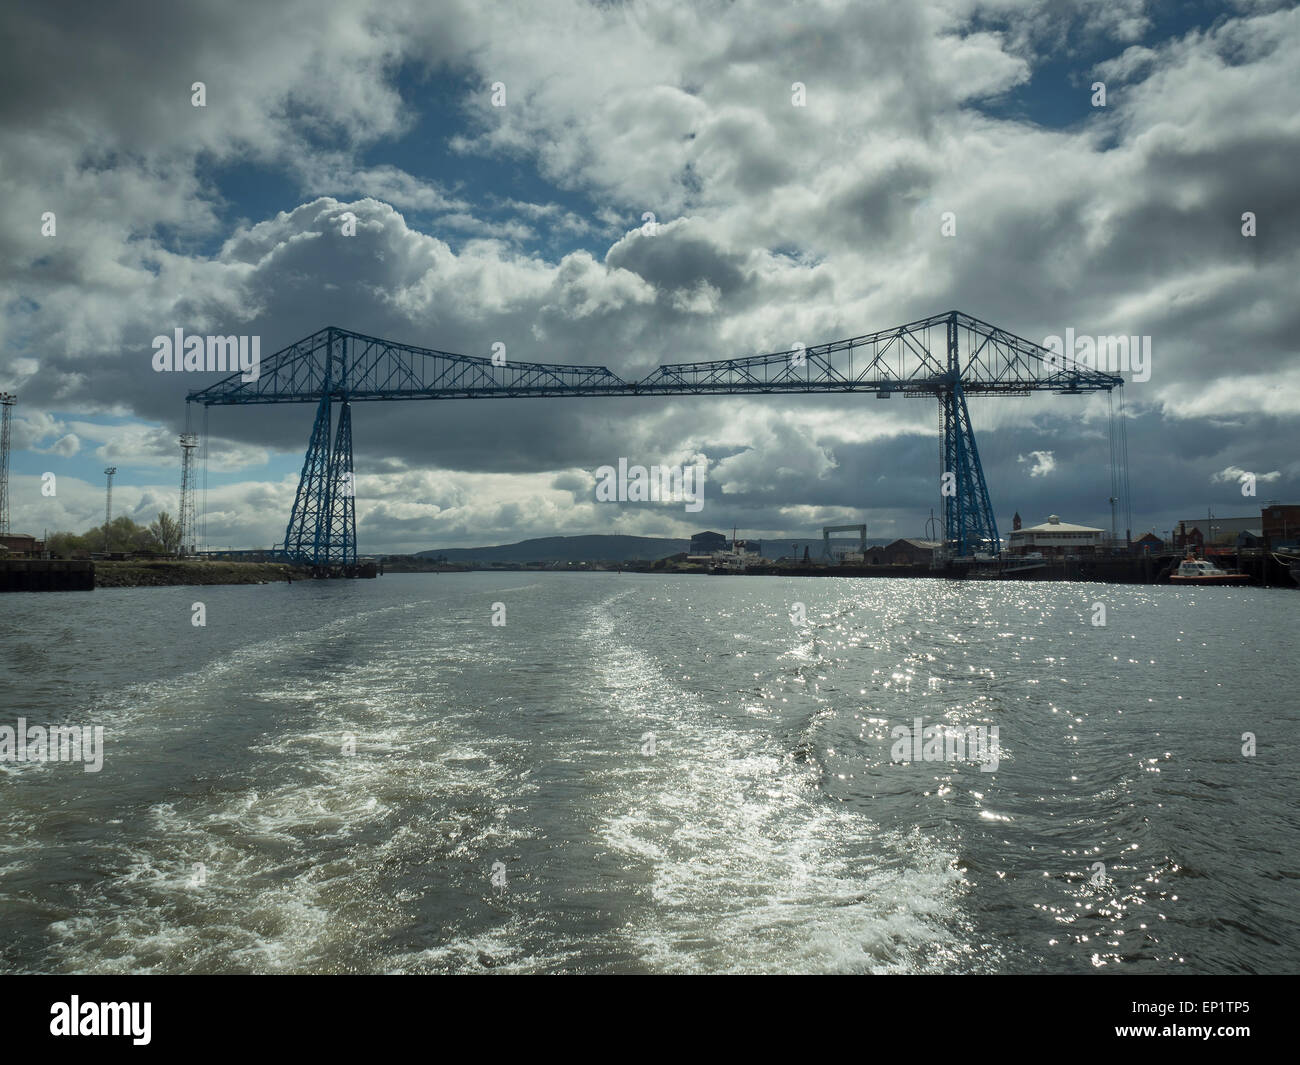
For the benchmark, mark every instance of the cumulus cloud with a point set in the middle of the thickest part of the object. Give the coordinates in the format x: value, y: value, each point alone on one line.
x: 67, y: 446
x: 1234, y: 474
x: 777, y: 224
x: 1044, y: 462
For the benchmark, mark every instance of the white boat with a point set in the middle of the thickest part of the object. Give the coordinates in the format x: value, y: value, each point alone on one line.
x: 1202, y: 571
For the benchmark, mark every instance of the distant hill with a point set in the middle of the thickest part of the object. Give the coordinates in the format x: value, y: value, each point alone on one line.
x: 567, y: 549
x: 609, y: 549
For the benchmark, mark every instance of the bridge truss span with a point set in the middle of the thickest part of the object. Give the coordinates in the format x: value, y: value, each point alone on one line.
x: 948, y: 356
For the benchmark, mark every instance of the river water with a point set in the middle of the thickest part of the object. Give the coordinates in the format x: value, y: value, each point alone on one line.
x: 653, y: 774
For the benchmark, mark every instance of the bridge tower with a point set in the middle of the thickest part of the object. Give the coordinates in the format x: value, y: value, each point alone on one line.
x: 322, y: 529
x: 968, y: 522
x: 342, y: 546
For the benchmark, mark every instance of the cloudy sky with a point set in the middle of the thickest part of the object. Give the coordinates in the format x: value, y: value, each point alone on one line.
x: 522, y: 224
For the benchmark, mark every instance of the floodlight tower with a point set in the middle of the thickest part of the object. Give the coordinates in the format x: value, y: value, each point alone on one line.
x: 189, y: 441
x: 6, y: 406
x: 108, y: 503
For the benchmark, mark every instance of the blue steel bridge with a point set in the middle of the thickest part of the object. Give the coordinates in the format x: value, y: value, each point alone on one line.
x: 946, y: 357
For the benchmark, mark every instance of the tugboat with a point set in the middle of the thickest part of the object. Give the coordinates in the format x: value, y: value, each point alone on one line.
x: 1195, y: 570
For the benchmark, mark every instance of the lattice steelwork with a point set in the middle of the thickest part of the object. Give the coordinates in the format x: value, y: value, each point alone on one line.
x: 188, y: 441
x: 307, y: 537
x: 948, y: 356
x: 7, y: 402
x: 341, y: 544
x: 367, y: 368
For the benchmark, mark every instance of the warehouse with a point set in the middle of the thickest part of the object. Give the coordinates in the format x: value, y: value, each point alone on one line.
x: 908, y: 552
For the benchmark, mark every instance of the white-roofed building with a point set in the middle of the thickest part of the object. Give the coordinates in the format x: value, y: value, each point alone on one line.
x: 1057, y: 539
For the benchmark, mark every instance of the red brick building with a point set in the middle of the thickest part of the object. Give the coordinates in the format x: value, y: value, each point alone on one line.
x: 21, y: 545
x: 1280, y: 522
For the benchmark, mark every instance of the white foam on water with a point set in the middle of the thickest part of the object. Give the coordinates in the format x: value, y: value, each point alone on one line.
x: 496, y: 951
x: 748, y: 866
x: 291, y: 861
x: 161, y: 702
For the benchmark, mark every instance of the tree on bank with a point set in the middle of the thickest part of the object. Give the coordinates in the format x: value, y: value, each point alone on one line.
x: 167, y: 532
x: 163, y: 537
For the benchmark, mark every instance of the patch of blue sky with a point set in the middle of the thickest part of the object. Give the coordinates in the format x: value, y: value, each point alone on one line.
x: 504, y: 198
x: 1059, y: 92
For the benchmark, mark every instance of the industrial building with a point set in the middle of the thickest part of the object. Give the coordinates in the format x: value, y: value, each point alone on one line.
x: 907, y: 552
x: 705, y: 543
x: 21, y: 545
x: 1276, y: 525
x: 1280, y: 523
x: 1219, y: 532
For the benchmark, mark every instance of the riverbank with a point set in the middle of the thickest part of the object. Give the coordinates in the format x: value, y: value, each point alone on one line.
x: 151, y: 574
x: 1265, y: 569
